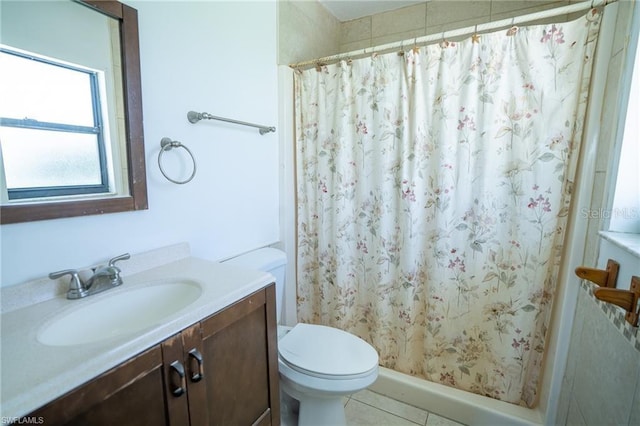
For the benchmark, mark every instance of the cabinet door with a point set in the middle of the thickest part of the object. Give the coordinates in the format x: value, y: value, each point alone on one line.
x: 131, y: 394
x: 175, y: 381
x: 241, y: 364
x: 195, y: 371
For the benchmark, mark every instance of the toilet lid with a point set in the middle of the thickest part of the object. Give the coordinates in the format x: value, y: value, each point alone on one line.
x: 327, y: 351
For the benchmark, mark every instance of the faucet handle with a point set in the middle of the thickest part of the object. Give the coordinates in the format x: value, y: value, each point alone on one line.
x: 76, y: 287
x: 119, y: 258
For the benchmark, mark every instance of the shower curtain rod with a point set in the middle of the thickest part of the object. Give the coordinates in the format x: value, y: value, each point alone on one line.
x: 453, y: 33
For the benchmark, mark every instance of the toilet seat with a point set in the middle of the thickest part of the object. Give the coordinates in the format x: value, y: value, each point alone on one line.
x: 327, y: 376
x: 327, y: 353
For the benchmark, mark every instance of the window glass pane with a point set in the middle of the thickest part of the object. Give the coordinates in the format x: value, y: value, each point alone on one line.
x: 625, y: 215
x: 43, y: 158
x: 44, y: 92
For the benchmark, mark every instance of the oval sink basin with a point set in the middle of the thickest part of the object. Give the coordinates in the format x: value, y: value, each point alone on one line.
x: 122, y: 313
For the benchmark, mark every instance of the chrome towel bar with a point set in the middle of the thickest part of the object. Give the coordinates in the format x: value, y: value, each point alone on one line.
x: 194, y: 117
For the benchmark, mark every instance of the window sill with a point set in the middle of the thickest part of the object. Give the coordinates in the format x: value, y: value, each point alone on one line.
x: 627, y: 242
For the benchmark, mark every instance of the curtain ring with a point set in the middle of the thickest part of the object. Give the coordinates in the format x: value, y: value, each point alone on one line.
x: 475, y: 38
x: 166, y: 144
x: 513, y: 29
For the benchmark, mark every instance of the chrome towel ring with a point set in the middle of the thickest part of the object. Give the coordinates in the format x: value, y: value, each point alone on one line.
x: 166, y: 144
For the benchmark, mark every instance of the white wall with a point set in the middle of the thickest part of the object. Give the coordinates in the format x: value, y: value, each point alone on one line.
x: 212, y: 56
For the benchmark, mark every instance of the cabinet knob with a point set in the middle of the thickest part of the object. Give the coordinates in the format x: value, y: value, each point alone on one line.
x: 198, y: 372
x: 176, y: 367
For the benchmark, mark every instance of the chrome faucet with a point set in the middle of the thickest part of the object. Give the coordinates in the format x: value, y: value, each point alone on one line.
x: 103, y: 278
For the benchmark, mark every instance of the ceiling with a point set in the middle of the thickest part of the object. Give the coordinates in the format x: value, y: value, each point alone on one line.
x: 346, y: 10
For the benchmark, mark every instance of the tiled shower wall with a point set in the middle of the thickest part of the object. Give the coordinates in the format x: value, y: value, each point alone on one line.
x: 433, y: 17
x: 307, y: 31
x: 601, y: 384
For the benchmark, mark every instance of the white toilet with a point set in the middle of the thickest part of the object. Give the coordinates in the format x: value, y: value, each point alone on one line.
x: 318, y: 365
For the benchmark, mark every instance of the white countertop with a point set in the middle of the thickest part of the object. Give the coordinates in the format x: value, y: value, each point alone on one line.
x: 34, y: 374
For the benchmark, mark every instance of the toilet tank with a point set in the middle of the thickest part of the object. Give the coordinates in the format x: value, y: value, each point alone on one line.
x: 269, y: 260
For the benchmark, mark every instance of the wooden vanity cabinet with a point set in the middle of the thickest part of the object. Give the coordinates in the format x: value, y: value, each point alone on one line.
x: 130, y: 394
x: 220, y: 371
x: 241, y: 362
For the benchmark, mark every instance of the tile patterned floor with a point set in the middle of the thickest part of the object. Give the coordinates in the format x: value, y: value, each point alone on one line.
x: 368, y: 408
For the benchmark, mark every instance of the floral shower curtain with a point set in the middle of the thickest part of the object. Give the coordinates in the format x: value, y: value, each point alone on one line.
x: 433, y: 189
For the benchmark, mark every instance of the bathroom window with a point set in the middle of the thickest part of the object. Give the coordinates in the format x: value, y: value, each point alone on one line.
x: 625, y: 213
x: 51, y: 128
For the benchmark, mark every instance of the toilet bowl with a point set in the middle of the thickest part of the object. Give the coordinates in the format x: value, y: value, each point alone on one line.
x: 318, y: 365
